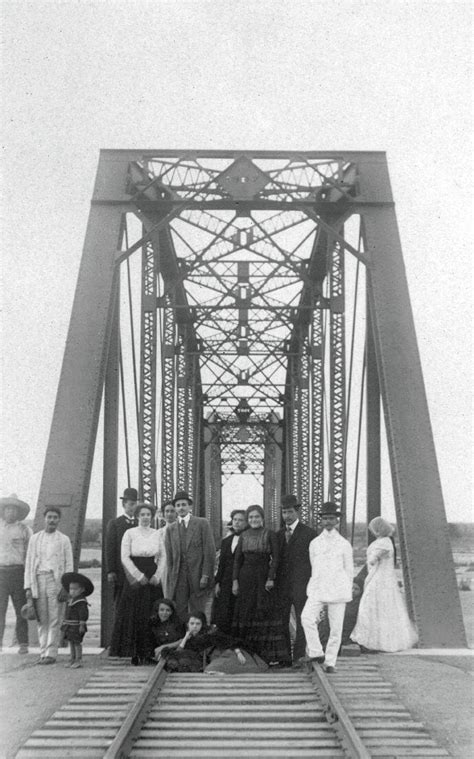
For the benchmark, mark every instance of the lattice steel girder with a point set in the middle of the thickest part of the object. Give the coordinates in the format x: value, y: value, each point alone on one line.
x: 272, y: 473
x: 337, y: 369
x: 168, y: 381
x: 68, y: 463
x: 317, y: 418
x: 430, y: 579
x: 148, y: 345
x: 213, y: 481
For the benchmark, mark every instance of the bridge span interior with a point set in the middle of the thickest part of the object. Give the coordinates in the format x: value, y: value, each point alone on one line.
x: 247, y: 312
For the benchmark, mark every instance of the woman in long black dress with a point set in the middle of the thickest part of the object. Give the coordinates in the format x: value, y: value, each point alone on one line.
x: 224, y: 601
x: 257, y: 620
x: 140, y: 555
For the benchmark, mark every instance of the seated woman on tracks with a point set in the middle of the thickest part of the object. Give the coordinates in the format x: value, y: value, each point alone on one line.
x: 257, y: 616
x: 200, y: 647
x: 166, y: 627
x: 140, y: 554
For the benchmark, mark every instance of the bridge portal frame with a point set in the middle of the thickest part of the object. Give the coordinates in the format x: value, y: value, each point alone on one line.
x: 430, y: 580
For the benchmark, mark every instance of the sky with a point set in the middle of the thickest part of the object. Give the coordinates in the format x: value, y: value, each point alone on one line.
x: 79, y: 76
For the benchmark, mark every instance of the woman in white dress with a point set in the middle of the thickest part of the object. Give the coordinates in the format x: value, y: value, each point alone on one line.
x: 169, y: 513
x: 141, y: 552
x: 383, y: 623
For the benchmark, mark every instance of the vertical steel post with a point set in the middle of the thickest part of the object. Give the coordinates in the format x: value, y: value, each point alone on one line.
x: 109, y: 482
x: 338, y: 390
x: 303, y: 423
x: 374, y: 476
x: 213, y: 478
x: 168, y: 400
x: 181, y: 416
x: 272, y: 466
x: 148, y: 344
x: 317, y: 419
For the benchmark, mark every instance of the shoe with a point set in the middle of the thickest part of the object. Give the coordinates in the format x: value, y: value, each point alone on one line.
x: 135, y: 661
x: 76, y: 665
x: 318, y: 659
x: 330, y: 670
x: 23, y: 648
x: 39, y: 661
x: 47, y: 660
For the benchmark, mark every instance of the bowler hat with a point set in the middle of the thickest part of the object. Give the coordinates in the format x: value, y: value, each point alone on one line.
x: 70, y: 577
x: 129, y: 494
x: 12, y: 500
x: 330, y: 509
x: 28, y: 612
x: 290, y: 502
x: 181, y: 495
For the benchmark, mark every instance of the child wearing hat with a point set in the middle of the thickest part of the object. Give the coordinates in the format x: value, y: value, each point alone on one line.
x: 74, y: 627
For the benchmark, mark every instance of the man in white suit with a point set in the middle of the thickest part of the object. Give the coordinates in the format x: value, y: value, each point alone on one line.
x: 330, y: 585
x: 190, y: 556
x: 48, y: 557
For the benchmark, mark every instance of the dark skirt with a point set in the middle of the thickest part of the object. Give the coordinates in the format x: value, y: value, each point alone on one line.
x: 223, y: 608
x: 257, y: 617
x: 132, y: 635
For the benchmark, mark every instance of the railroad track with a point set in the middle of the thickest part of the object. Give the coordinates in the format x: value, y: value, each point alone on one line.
x: 140, y: 713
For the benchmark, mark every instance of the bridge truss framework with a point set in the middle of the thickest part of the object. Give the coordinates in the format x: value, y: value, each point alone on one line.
x: 242, y: 348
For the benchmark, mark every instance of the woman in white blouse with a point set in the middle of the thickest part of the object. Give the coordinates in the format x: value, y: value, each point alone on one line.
x: 141, y: 555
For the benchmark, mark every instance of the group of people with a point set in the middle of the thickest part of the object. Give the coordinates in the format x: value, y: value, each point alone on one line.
x: 164, y: 580
x: 36, y: 572
x: 170, y: 603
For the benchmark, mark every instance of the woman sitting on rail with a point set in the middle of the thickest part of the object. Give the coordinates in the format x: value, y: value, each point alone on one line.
x: 257, y: 617
x: 166, y: 626
x: 383, y: 623
x: 202, y: 645
x: 140, y: 554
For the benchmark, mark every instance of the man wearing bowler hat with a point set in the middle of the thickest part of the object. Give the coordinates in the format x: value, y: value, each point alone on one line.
x: 190, y: 556
x: 330, y: 585
x: 14, y: 539
x: 116, y: 529
x: 294, y: 569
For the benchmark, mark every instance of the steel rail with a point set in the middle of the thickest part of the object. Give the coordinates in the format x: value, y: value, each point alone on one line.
x: 122, y: 744
x: 337, y: 715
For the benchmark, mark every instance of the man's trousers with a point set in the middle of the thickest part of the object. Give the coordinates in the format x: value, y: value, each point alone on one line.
x: 184, y: 597
x: 310, y: 618
x: 50, y: 612
x: 11, y: 584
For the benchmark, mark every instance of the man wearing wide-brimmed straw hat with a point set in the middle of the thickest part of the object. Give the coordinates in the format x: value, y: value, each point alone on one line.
x: 14, y: 538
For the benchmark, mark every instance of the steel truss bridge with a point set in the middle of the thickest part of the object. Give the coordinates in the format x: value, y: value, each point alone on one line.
x: 241, y: 355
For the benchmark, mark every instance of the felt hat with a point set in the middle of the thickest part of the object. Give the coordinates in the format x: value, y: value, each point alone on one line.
x: 28, y: 612
x: 129, y: 494
x: 181, y: 495
x: 290, y: 502
x: 12, y: 500
x: 330, y: 509
x: 69, y: 577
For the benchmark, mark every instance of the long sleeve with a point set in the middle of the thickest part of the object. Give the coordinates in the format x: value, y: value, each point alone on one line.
x: 222, y: 561
x: 238, y: 559
x: 209, y: 550
x: 29, y: 563
x: 161, y: 557
x: 275, y: 555
x: 68, y: 560
x: 378, y: 549
x: 133, y: 574
x: 348, y: 561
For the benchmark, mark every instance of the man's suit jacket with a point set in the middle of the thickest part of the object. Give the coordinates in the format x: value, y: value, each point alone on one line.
x: 116, y: 529
x: 200, y: 553
x: 294, y: 569
x: 225, y: 568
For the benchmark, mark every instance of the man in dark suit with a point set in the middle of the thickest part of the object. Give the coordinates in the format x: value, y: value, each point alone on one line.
x: 294, y: 569
x: 190, y: 557
x: 116, y: 529
x: 224, y: 601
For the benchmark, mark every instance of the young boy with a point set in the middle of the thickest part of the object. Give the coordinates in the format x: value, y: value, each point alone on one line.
x: 74, y: 626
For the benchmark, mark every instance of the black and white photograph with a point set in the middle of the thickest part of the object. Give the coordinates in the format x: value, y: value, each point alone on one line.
x: 236, y: 507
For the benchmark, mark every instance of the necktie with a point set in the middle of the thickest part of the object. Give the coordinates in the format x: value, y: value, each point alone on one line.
x: 288, y: 534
